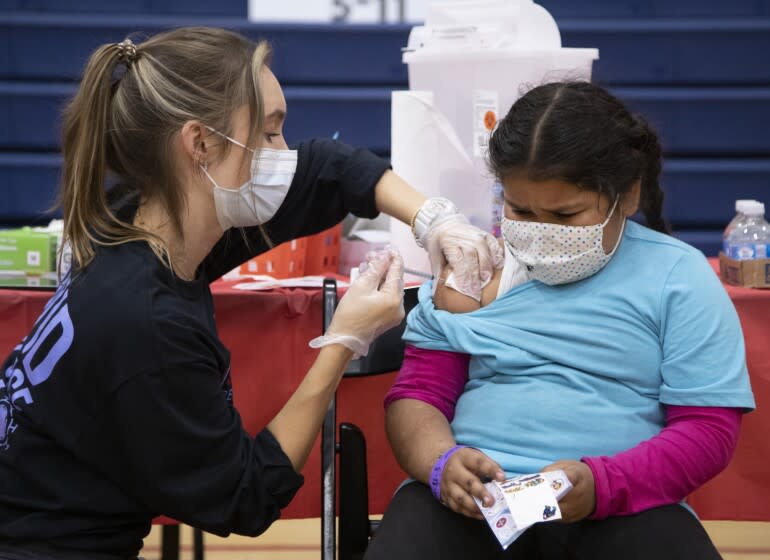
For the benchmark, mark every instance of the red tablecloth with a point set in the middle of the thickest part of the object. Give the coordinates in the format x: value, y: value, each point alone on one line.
x: 267, y: 333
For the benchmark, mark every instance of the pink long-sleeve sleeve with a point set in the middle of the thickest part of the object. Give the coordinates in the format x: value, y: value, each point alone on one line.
x: 696, y: 445
x: 435, y: 377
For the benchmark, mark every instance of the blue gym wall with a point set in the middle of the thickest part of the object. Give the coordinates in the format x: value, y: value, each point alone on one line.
x: 699, y: 70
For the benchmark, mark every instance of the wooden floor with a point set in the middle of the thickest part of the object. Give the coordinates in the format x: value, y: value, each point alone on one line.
x: 298, y: 540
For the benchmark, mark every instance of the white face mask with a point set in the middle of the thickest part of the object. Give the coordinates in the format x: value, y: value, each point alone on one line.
x: 557, y: 254
x: 258, y: 199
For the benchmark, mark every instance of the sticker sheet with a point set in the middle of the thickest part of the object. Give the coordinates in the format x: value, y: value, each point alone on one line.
x: 522, y: 501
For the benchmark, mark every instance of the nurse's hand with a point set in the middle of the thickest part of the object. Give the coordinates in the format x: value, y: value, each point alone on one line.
x: 580, y: 501
x: 464, y: 476
x: 472, y: 254
x: 373, y: 304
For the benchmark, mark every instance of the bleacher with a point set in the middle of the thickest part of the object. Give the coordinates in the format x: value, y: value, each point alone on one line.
x: 700, y: 71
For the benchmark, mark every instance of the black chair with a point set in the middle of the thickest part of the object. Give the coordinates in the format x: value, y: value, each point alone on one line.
x: 170, y: 545
x: 355, y: 528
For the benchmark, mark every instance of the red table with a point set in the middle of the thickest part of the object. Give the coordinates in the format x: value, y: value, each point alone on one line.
x: 267, y: 333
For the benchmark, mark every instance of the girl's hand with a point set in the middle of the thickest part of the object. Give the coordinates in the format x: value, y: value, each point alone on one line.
x: 579, y: 502
x: 464, y: 476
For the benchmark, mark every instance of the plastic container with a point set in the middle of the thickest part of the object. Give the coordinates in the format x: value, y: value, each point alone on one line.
x: 475, y: 88
x: 749, y: 238
x: 740, y: 217
x: 285, y: 261
x: 478, y: 57
x: 323, y: 252
x: 312, y: 255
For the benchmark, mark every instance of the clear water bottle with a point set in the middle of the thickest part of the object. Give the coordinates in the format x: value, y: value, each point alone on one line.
x: 738, y: 220
x: 748, y: 240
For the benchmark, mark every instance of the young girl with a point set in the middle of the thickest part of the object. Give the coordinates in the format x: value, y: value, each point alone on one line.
x: 604, y: 348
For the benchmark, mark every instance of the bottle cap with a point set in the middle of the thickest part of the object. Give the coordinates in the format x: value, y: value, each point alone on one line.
x: 754, y: 208
x: 741, y: 205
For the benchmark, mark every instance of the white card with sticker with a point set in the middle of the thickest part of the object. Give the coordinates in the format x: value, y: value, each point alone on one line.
x: 505, y: 526
x: 531, y: 500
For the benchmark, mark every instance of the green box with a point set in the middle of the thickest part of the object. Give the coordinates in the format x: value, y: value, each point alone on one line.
x: 25, y: 250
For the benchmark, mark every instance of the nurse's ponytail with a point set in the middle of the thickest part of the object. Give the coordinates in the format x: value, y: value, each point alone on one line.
x: 579, y: 133
x: 88, y: 219
x: 121, y: 125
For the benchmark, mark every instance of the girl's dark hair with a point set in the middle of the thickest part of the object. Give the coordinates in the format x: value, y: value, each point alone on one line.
x: 579, y: 133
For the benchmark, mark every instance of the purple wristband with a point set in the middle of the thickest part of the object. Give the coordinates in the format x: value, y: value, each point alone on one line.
x: 438, y: 470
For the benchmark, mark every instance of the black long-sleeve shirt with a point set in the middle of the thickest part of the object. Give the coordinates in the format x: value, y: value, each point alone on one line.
x: 117, y: 406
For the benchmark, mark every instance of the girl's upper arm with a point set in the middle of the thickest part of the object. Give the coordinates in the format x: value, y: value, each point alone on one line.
x: 449, y: 299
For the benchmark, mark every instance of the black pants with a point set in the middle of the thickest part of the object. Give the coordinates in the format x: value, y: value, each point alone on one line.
x: 416, y: 526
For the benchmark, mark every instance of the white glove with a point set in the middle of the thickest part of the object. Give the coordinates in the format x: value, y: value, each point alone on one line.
x: 373, y: 304
x: 472, y: 253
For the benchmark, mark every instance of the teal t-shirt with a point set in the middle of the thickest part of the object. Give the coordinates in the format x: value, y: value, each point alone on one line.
x: 584, y: 369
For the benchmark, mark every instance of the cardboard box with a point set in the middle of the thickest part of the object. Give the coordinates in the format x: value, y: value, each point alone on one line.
x: 26, y: 250
x: 749, y: 274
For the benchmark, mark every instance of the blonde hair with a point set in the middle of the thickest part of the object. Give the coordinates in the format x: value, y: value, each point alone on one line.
x: 124, y: 125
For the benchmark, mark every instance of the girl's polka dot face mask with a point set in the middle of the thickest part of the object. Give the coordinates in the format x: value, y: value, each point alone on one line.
x: 558, y: 254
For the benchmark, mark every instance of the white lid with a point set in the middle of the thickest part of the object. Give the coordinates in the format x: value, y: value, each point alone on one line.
x: 455, y: 26
x: 754, y: 208
x: 741, y: 205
